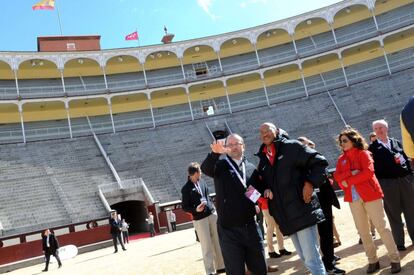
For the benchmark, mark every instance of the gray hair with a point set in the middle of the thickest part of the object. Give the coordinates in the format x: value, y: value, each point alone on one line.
x: 270, y: 125
x: 236, y: 136
x: 380, y: 121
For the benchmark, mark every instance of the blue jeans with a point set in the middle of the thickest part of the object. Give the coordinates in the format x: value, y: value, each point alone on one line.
x: 307, y: 246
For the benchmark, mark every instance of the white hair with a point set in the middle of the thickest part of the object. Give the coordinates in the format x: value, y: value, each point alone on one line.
x: 380, y: 121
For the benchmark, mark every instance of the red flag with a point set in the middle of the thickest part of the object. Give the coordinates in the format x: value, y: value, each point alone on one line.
x: 132, y: 36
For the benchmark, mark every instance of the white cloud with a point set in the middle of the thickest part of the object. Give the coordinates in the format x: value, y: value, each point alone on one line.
x: 206, y: 5
x: 252, y: 2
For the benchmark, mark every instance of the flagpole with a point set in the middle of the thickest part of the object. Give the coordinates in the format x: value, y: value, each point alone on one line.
x: 60, y: 23
x: 136, y: 29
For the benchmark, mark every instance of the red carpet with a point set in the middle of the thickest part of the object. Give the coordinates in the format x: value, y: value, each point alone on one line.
x: 138, y: 236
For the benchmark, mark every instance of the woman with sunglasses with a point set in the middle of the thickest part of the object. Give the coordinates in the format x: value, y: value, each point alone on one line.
x: 355, y: 175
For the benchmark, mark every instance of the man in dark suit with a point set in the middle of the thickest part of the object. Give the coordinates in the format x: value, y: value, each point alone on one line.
x: 50, y: 247
x: 116, y: 227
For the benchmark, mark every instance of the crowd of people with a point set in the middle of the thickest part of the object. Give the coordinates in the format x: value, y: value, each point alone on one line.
x: 292, y: 190
x: 291, y: 186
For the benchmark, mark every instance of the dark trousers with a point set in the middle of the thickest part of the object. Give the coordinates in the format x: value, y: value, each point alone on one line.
x: 115, y: 239
x: 325, y: 230
x: 398, y: 198
x: 242, y: 246
x: 55, y: 254
x: 125, y: 236
x: 152, y: 229
x: 173, y: 226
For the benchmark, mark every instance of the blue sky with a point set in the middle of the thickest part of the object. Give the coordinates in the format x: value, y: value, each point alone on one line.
x: 113, y: 19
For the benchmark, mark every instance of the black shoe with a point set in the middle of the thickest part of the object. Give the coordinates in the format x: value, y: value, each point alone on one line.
x: 124, y: 249
x: 60, y: 265
x: 401, y: 247
x: 373, y: 267
x: 44, y: 270
x: 395, y: 267
x: 116, y: 251
x: 335, y: 270
x: 337, y: 258
x: 222, y: 270
x: 285, y: 252
x: 274, y: 255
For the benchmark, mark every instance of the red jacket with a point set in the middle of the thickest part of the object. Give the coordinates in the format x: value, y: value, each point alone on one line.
x: 365, y: 182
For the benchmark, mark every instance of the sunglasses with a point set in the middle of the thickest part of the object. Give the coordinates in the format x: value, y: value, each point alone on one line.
x: 343, y: 141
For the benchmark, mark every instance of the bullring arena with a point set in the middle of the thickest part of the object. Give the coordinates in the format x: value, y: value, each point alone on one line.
x: 84, y: 132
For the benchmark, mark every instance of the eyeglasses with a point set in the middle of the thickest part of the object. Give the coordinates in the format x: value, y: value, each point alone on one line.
x: 234, y: 145
x: 343, y: 141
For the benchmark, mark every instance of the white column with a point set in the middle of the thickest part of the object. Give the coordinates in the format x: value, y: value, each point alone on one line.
x: 104, y: 75
x: 110, y: 113
x: 265, y: 89
x: 145, y: 74
x: 294, y: 45
x: 343, y: 69
x: 219, y: 60
x: 22, y: 123
x: 386, y: 58
x: 375, y: 18
x: 182, y: 67
x: 187, y: 91
x: 257, y: 54
x: 16, y: 81
x: 303, y: 80
x: 68, y: 117
x: 63, y: 82
x: 333, y: 33
x: 152, y: 112
x: 227, y: 96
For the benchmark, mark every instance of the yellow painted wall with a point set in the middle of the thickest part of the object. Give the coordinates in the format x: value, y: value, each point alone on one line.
x: 9, y: 113
x: 397, y: 43
x: 381, y: 7
x: 358, y: 13
x: 281, y: 37
x: 129, y: 64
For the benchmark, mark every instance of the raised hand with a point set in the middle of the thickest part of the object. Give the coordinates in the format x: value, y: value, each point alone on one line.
x: 218, y: 147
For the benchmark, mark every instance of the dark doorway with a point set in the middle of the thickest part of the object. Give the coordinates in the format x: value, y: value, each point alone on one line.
x: 134, y: 213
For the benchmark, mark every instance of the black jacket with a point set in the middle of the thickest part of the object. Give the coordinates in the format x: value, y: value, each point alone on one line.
x: 294, y: 164
x: 53, y: 243
x: 191, y: 199
x: 233, y: 207
x: 384, y: 161
x: 327, y: 196
x: 115, y: 226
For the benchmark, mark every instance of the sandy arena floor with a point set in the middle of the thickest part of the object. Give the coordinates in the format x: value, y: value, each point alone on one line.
x: 179, y: 253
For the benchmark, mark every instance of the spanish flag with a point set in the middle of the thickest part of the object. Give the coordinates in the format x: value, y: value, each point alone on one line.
x: 44, y: 5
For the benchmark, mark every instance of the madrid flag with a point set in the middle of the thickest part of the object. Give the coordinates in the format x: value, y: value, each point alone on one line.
x: 132, y: 36
x: 44, y: 5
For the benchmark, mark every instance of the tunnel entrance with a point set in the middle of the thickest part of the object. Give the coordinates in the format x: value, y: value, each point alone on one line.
x: 134, y: 213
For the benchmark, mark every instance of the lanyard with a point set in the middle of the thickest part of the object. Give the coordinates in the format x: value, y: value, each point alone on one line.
x: 242, y: 180
x: 198, y: 187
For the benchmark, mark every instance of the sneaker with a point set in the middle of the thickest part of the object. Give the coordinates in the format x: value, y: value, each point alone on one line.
x: 274, y: 255
x: 284, y: 252
x: 335, y: 270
